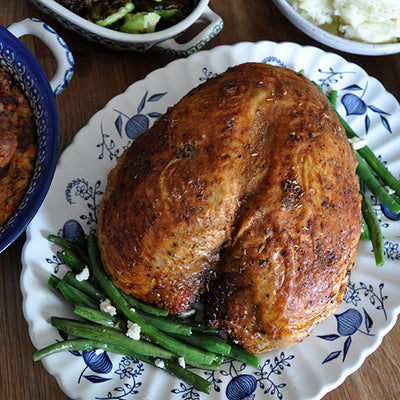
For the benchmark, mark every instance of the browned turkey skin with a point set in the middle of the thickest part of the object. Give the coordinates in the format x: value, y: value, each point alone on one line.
x: 244, y: 193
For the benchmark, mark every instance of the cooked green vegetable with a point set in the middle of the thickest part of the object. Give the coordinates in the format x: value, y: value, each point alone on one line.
x: 108, y: 12
x: 111, y: 336
x: 187, y: 340
x: 142, y: 22
x: 377, y: 189
x: 374, y: 231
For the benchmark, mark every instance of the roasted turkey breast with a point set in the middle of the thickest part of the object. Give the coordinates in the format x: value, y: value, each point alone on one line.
x: 245, y: 194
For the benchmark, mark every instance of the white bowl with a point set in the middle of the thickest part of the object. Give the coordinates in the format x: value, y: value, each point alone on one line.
x: 158, y: 41
x: 332, y: 40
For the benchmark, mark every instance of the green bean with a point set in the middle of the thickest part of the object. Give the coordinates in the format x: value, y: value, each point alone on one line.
x: 74, y: 296
x: 110, y: 336
x: 209, y: 343
x: 84, y: 286
x: 196, y: 326
x: 167, y: 325
x: 333, y: 95
x: 85, y: 344
x: 368, y: 155
x: 69, y: 245
x: 377, y: 166
x: 214, y: 366
x: 70, y: 258
x: 242, y: 355
x: 179, y: 348
x: 65, y: 345
x: 53, y: 282
x: 375, y: 186
x: 100, y: 317
x: 374, y: 231
x: 364, y: 230
x: 186, y: 375
x: 81, y: 241
x: 135, y: 303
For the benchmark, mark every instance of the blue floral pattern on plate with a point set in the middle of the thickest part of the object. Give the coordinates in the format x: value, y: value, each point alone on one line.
x: 371, y: 303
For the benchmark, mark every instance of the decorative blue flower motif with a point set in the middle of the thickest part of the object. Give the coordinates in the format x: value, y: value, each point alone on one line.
x: 392, y: 251
x: 390, y: 214
x: 98, y: 362
x: 207, y: 74
x: 348, y: 323
x: 376, y: 299
x: 355, y: 105
x: 128, y: 368
x: 331, y: 77
x: 274, y: 61
x: 71, y: 229
x: 133, y: 128
x: 81, y: 189
x: 241, y: 387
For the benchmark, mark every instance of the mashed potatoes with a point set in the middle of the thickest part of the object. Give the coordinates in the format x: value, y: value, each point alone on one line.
x: 373, y: 21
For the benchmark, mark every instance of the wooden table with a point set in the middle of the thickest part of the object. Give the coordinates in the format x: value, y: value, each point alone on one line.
x: 100, y: 74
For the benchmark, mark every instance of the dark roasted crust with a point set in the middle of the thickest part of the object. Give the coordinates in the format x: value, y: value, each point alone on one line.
x: 17, y: 145
x: 245, y: 190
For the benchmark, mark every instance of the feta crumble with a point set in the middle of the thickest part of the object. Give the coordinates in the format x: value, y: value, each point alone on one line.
x: 159, y: 363
x: 357, y: 143
x: 181, y: 362
x: 107, y: 307
x: 133, y: 330
x: 83, y: 275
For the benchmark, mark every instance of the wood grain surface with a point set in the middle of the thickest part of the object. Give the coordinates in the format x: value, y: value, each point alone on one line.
x: 101, y: 74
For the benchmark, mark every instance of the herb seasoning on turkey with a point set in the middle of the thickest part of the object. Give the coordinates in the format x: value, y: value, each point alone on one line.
x: 244, y: 195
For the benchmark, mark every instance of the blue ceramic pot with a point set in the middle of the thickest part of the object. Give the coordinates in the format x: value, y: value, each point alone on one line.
x: 41, y: 94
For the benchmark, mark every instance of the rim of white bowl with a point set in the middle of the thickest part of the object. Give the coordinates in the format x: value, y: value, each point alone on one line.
x: 122, y: 36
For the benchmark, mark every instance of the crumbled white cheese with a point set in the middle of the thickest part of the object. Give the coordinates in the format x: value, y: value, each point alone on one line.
x: 133, y: 330
x: 357, y: 143
x: 132, y: 309
x: 181, y: 362
x: 390, y: 190
x: 187, y: 313
x: 99, y: 351
x: 159, y: 363
x: 107, y: 307
x: 83, y: 275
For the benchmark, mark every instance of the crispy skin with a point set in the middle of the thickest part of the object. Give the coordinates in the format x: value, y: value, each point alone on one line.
x: 246, y: 187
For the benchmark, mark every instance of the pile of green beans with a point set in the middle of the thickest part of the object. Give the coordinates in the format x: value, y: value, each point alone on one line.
x: 377, y: 178
x: 162, y: 337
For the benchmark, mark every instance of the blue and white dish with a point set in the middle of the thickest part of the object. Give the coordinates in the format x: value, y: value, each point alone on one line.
x: 163, y: 41
x: 333, y: 351
x: 41, y: 94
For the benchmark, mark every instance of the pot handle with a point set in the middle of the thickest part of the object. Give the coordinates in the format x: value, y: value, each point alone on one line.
x: 61, y: 52
x: 215, y: 24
